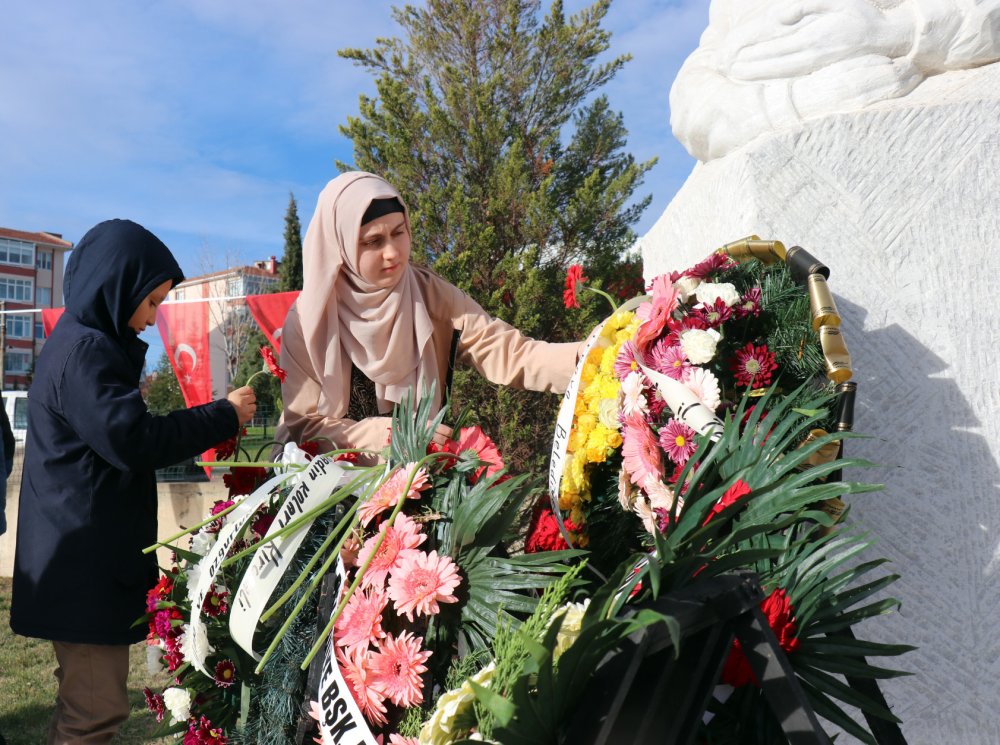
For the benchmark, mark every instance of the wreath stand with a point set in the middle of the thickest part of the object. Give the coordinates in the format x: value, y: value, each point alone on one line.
x: 642, y: 695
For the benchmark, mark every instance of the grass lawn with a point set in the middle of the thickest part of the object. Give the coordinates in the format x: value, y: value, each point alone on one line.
x: 28, y: 687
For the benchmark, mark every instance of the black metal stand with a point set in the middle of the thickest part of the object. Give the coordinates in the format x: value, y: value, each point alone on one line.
x: 642, y: 694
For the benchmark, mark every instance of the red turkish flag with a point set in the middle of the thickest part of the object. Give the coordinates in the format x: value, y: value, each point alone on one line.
x: 269, y: 312
x: 184, y: 330
x: 49, y: 318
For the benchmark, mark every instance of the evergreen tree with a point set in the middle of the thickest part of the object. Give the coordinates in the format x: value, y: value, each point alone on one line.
x: 163, y: 392
x: 487, y: 121
x: 291, y: 262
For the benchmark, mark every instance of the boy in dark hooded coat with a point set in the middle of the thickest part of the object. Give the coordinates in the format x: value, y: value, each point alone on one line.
x: 88, y: 493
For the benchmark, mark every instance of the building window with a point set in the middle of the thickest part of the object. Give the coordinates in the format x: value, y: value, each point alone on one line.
x: 234, y: 286
x: 18, y: 290
x: 43, y: 297
x: 17, y: 253
x: 18, y: 327
x: 43, y: 260
x: 39, y: 330
x: 17, y: 362
x: 178, y: 294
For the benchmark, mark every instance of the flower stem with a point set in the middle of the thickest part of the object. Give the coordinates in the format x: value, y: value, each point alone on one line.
x: 606, y: 296
x: 192, y: 529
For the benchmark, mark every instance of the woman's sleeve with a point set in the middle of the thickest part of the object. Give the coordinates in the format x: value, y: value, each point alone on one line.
x: 104, y: 406
x: 300, y: 395
x: 504, y: 355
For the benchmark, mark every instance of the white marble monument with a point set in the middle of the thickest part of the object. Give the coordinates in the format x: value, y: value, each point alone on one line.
x: 869, y: 133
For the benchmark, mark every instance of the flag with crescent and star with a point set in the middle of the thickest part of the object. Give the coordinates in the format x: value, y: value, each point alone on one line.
x: 269, y: 312
x: 184, y: 329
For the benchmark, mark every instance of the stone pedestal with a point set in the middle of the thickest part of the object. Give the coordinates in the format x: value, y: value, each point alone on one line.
x: 902, y: 202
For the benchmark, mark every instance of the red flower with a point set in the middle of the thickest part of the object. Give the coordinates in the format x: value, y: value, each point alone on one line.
x: 780, y: 617
x: 573, y: 275
x: 753, y: 366
x: 243, y: 480
x: 160, y: 591
x: 272, y: 364
x: 154, y: 702
x: 484, y: 449
x: 262, y: 523
x: 215, y: 604
x: 227, y: 447
x: 733, y: 494
x: 203, y: 733
x: 544, y: 533
x: 225, y: 674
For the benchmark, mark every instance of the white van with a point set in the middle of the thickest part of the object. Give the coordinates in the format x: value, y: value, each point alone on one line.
x: 16, y: 405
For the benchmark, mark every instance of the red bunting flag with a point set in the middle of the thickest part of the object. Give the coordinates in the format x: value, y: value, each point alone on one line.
x: 269, y: 312
x: 49, y: 318
x: 184, y: 329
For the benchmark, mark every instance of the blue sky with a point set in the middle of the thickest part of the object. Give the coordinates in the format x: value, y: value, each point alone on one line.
x: 197, y: 118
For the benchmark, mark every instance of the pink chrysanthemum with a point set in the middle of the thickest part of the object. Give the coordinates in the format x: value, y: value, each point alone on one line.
x: 397, y: 667
x: 714, y: 315
x: 421, y: 581
x: 404, y: 534
x: 627, y: 360
x: 753, y: 366
x: 389, y: 493
x: 710, y: 266
x: 678, y: 441
x: 225, y: 674
x: 355, y: 668
x: 749, y: 304
x: 361, y: 622
x: 656, y: 314
x: 640, y: 450
x: 669, y: 359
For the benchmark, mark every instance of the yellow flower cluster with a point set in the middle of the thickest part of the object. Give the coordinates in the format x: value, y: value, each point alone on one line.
x: 596, y: 432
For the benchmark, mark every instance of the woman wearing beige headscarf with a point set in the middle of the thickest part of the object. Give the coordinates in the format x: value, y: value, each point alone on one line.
x: 368, y: 325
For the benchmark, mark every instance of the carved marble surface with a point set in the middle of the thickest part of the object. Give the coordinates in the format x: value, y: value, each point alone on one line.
x: 766, y: 65
x: 901, y: 201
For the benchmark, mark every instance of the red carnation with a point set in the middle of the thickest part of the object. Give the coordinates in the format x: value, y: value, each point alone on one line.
x: 544, y: 533
x: 272, y: 363
x: 227, y: 447
x: 780, y: 617
x: 243, y: 480
x: 574, y: 275
x: 753, y: 366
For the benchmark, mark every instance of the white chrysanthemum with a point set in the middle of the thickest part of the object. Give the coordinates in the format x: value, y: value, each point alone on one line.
x: 704, y: 385
x: 570, y: 618
x: 443, y: 727
x: 178, y: 702
x: 686, y: 287
x: 194, y: 642
x: 699, y: 344
x: 607, y: 414
x: 709, y: 292
x: 202, y: 542
x: 194, y: 573
x: 633, y: 398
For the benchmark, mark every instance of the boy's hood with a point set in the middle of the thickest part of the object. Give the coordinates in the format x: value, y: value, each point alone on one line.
x: 111, y: 270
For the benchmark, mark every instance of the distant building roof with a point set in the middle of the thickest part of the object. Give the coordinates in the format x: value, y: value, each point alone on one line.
x: 253, y: 271
x: 49, y: 239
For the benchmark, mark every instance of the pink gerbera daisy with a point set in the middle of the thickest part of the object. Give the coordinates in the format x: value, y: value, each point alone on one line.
x: 627, y: 360
x: 656, y: 313
x: 753, y: 366
x: 403, y: 534
x: 422, y: 580
x: 355, y: 668
x: 678, y: 441
x: 389, y: 493
x: 669, y: 359
x: 640, y: 450
x: 361, y: 622
x: 397, y: 667
x: 396, y: 739
x: 225, y: 673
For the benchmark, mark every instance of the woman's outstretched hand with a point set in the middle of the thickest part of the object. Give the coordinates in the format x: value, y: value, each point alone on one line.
x: 244, y: 400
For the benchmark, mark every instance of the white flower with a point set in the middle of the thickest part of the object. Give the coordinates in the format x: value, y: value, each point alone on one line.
x: 202, y: 542
x: 633, y: 400
x: 704, y: 385
x: 442, y: 727
x: 607, y: 414
x: 645, y: 512
x: 178, y: 703
x: 570, y: 618
x: 699, y: 345
x: 661, y: 496
x: 194, y: 642
x: 686, y: 287
x: 626, y: 494
x: 709, y: 292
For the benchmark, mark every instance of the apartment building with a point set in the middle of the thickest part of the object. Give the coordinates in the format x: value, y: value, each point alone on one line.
x: 31, y: 277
